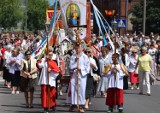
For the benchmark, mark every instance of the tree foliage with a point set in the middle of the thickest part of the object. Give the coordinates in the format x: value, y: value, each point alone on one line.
x: 152, y: 15
x: 10, y: 13
x: 36, y: 14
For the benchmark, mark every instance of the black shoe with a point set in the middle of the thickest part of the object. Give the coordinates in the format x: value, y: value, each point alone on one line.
x: 71, y: 108
x: 53, y: 108
x: 148, y: 94
x: 121, y: 111
x: 27, y: 106
x: 46, y: 111
x: 31, y: 106
x: 110, y: 111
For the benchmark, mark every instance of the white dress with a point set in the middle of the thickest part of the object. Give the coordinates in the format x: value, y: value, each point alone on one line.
x: 103, y: 83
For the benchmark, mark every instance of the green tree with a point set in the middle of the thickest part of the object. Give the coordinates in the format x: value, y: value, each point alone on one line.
x: 10, y: 13
x: 36, y: 14
x: 152, y: 15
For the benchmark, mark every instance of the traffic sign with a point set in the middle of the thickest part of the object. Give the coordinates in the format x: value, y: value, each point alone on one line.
x: 121, y: 23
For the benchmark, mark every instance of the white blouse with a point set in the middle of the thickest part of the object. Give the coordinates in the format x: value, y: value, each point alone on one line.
x: 43, y: 80
x: 118, y: 83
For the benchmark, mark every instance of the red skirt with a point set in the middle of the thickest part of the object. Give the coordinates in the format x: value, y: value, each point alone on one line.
x: 114, y: 97
x: 134, y: 77
x: 44, y: 96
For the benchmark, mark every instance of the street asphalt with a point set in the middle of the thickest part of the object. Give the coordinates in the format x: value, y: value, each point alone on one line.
x: 133, y: 102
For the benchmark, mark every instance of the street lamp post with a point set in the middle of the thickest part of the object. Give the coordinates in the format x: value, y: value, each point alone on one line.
x: 144, y: 17
x: 26, y: 10
x: 114, y: 25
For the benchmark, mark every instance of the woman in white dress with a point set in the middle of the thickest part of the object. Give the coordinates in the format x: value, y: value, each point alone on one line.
x: 104, y: 60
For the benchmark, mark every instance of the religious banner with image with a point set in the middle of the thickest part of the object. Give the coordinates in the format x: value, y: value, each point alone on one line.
x: 74, y: 15
x: 49, y: 14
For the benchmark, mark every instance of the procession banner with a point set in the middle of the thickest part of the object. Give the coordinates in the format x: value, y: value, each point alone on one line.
x: 74, y: 14
x: 49, y: 14
x: 88, y: 19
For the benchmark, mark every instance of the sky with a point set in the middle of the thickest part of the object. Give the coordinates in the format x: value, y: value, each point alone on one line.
x: 51, y: 1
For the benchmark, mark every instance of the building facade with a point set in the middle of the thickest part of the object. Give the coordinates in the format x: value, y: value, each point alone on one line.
x: 118, y: 9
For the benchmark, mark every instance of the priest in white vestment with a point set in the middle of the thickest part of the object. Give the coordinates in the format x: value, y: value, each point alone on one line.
x: 79, y: 64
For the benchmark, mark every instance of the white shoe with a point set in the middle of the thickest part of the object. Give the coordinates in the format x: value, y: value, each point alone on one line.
x: 9, y: 86
x: 60, y: 93
x: 137, y: 87
x: 17, y: 92
x: 13, y: 92
x: 132, y: 88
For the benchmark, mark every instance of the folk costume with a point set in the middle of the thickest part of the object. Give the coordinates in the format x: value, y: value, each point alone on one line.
x: 43, y: 81
x: 28, y: 79
x: 115, y: 86
x: 28, y: 83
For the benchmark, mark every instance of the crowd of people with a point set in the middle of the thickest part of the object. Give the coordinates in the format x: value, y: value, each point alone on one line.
x: 93, y: 70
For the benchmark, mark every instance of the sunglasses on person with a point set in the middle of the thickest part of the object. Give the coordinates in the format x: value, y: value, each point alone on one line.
x: 87, y: 52
x: 50, y: 54
x: 28, y: 54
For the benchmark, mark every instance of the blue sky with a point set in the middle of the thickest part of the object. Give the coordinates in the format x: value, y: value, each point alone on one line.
x: 51, y: 2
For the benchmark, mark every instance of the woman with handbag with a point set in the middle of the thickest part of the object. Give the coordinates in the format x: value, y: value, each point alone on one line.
x: 104, y: 60
x: 90, y: 81
x: 29, y: 78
